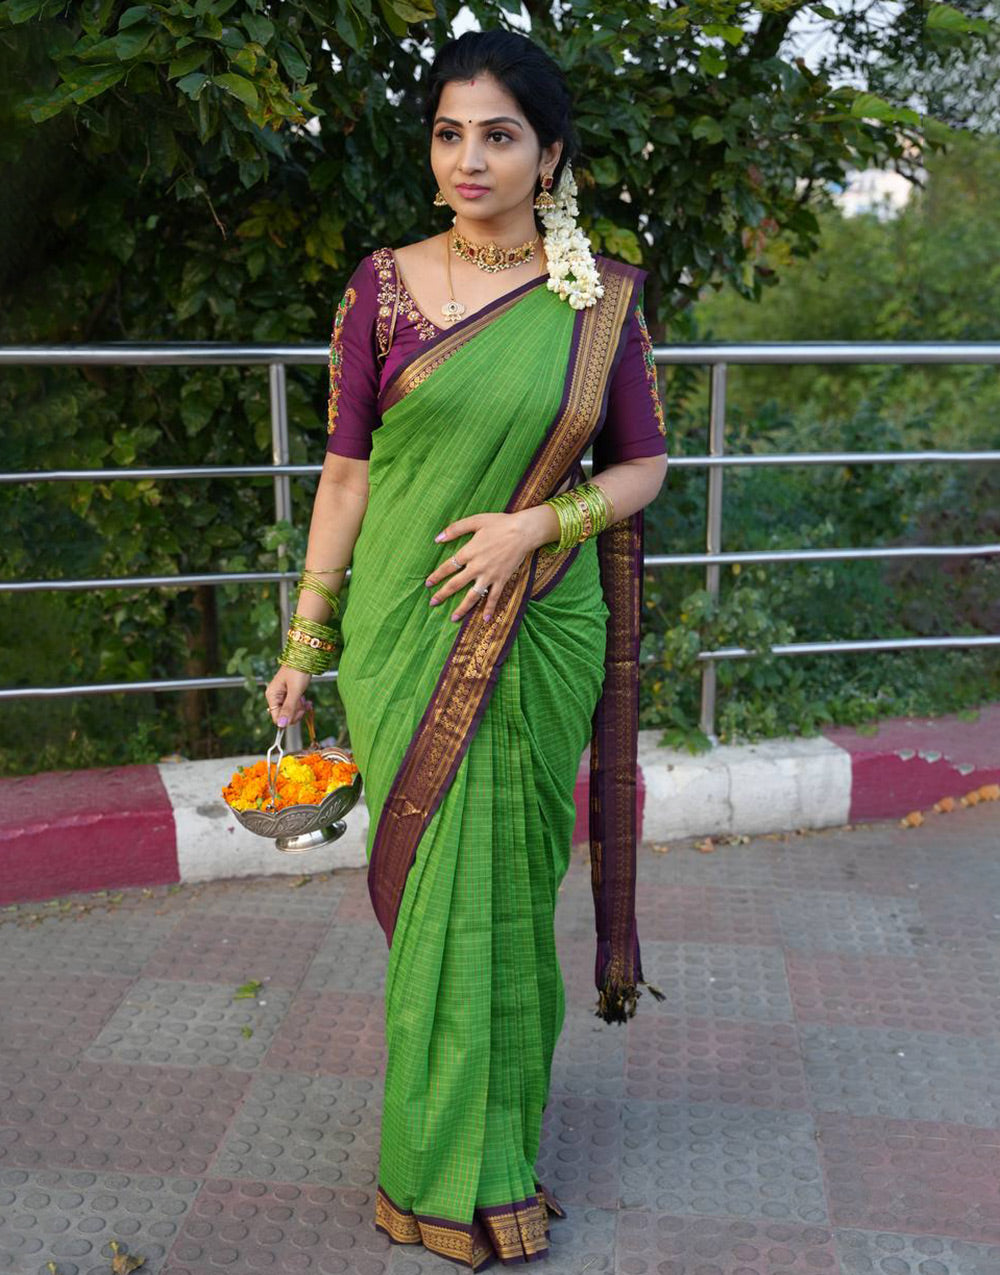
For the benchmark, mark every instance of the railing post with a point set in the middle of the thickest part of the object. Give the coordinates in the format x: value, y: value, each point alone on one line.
x: 282, y: 506
x: 713, y: 531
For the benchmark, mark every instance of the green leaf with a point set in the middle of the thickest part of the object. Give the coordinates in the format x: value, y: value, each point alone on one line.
x: 707, y: 129
x: 296, y: 67
x: 413, y: 10
x: 605, y: 170
x: 946, y: 18
x: 240, y: 88
x: 132, y: 42
x: 258, y: 27
x: 191, y: 85
x: 188, y: 61
x: 17, y: 11
x: 138, y: 13
x: 731, y: 35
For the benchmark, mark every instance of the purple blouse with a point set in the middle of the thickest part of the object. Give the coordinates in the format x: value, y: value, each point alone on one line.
x: 634, y: 424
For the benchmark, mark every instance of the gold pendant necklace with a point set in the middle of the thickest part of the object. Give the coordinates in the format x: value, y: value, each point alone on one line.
x: 452, y: 309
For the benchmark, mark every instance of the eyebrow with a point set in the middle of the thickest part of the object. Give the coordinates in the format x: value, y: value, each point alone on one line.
x: 498, y: 119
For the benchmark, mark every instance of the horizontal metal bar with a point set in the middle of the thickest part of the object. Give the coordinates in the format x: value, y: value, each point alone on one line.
x: 117, y: 688
x: 841, y: 648
x: 163, y: 354
x: 819, y: 555
x: 798, y: 352
x: 681, y: 462
x: 650, y: 560
x: 145, y: 354
x: 135, y: 475
x: 723, y: 653
x: 149, y: 582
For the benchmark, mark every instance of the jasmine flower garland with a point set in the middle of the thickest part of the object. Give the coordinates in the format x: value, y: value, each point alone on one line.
x: 572, y: 269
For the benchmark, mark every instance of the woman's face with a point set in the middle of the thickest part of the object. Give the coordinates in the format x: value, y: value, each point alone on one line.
x: 481, y: 139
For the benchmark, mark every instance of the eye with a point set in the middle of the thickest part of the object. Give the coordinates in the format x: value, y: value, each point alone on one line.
x: 498, y: 132
x: 441, y: 133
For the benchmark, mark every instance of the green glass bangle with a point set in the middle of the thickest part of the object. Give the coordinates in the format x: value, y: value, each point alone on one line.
x: 311, y: 581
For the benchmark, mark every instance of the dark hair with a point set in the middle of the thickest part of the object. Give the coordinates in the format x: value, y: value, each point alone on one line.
x: 532, y: 78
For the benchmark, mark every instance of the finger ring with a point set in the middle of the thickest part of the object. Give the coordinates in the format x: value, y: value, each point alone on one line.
x: 458, y: 565
x: 483, y: 591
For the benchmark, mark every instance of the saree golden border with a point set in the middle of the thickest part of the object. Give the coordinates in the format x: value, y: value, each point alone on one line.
x: 510, y: 1232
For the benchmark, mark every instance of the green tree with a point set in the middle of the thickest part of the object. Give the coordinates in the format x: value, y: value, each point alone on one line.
x: 213, y: 171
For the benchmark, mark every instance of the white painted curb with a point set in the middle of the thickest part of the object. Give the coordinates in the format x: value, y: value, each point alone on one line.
x: 774, y: 786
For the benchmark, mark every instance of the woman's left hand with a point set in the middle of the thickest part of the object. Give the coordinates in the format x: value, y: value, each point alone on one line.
x: 497, y: 548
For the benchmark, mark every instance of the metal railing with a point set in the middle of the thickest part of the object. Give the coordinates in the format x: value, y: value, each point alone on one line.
x: 716, y: 356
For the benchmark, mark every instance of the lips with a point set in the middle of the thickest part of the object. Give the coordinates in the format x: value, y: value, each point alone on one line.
x: 465, y: 188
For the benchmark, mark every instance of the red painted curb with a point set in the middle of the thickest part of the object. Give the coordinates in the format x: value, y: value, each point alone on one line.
x: 912, y: 762
x: 85, y: 830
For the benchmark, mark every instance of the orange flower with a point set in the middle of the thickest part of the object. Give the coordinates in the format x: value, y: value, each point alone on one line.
x: 301, y: 781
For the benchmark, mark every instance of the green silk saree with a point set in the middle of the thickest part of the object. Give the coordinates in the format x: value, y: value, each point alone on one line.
x: 468, y: 736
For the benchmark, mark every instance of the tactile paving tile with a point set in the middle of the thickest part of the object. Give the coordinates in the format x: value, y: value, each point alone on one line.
x: 856, y: 859
x: 580, y: 1152
x: 589, y: 1058
x: 914, y: 1177
x: 725, y: 1161
x: 355, y: 906
x: 925, y: 992
x: 827, y: 921
x: 70, y: 1217
x: 906, y: 1075
x: 322, y: 1130
x: 664, y: 1244
x: 706, y: 914
x: 951, y: 919
x: 270, y: 1226
x: 671, y: 1058
x: 55, y: 1112
x: 717, y: 979
x: 217, y: 949
x: 306, y: 898
x: 191, y: 1025
x: 884, y: 1253
x: 332, y: 1033
x: 351, y: 958
x: 56, y: 1012
x: 85, y: 943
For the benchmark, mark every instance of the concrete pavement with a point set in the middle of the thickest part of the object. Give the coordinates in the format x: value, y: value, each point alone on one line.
x: 819, y: 1092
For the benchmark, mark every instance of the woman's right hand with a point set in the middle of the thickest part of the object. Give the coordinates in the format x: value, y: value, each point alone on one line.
x: 284, y: 695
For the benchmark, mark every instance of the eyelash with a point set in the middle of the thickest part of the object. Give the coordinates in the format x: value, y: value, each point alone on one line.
x: 496, y: 132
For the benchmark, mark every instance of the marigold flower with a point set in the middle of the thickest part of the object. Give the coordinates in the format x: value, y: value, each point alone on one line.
x: 301, y: 781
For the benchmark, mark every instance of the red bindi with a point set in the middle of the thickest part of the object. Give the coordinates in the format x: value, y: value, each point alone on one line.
x: 473, y: 83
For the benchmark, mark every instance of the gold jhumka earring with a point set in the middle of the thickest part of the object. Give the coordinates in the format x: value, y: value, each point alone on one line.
x: 543, y: 200
x: 439, y: 200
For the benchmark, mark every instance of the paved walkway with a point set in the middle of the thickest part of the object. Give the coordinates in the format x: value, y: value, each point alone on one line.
x: 819, y: 1093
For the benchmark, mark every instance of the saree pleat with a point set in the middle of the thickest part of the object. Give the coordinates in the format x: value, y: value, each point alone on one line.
x: 474, y: 997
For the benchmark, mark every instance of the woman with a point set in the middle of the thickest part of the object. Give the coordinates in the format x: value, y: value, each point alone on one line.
x: 469, y: 374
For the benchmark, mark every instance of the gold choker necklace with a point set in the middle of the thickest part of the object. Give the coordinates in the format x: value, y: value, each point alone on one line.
x: 490, y: 256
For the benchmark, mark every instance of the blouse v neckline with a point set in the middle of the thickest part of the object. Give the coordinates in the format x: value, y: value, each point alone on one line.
x: 404, y: 292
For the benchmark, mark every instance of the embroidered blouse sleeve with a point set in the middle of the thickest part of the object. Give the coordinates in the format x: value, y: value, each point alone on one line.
x: 352, y: 410
x: 634, y: 425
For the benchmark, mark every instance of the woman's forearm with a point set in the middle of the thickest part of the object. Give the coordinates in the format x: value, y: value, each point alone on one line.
x: 338, y: 511
x: 630, y: 485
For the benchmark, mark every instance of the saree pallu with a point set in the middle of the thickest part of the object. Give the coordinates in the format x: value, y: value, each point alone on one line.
x: 468, y: 737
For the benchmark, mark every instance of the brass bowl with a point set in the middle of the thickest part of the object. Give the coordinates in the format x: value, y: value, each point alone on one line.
x: 306, y: 827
